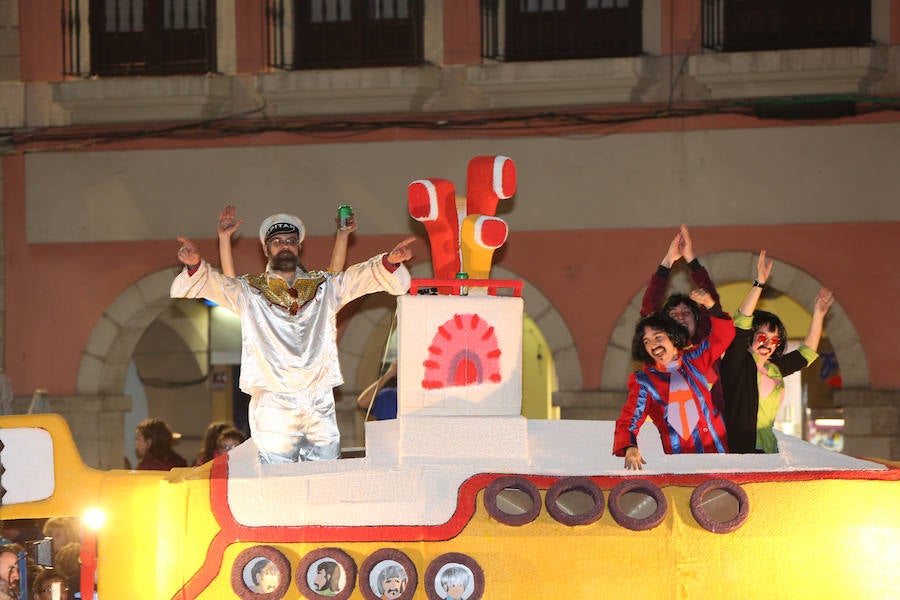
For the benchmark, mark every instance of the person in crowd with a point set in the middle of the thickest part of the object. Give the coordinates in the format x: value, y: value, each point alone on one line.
x: 228, y: 224
x: 32, y: 571
x: 379, y: 399
x: 210, y: 438
x: 680, y: 306
x: 22, y: 531
x: 63, y: 530
x: 672, y: 387
x: 153, y: 445
x: 9, y: 571
x: 229, y: 438
x: 49, y: 585
x: 754, y: 366
x: 67, y: 562
x: 289, y: 355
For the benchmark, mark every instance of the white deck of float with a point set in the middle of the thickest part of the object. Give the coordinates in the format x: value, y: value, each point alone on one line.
x: 415, y: 465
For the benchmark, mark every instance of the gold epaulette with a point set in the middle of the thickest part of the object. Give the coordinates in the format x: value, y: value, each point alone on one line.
x: 292, y: 297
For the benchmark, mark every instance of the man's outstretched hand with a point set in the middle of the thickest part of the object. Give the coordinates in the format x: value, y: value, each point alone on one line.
x: 188, y: 253
x: 401, y: 252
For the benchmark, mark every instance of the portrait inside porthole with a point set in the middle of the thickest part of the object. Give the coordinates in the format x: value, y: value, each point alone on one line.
x: 326, y: 577
x: 454, y: 581
x: 388, y: 579
x: 262, y: 576
x: 454, y: 576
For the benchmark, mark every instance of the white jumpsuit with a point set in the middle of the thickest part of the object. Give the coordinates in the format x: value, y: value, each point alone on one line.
x: 289, y: 363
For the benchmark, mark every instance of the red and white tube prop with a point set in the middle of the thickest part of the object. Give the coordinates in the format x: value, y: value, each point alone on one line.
x: 479, y: 236
x: 489, y: 179
x: 432, y: 202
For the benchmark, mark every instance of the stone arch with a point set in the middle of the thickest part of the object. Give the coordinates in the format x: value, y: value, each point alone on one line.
x: 105, y: 359
x: 366, y: 332
x: 728, y: 267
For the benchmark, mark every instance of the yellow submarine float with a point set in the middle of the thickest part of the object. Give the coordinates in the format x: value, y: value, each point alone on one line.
x: 461, y: 497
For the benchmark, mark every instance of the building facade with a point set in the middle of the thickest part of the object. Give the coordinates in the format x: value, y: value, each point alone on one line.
x: 128, y: 123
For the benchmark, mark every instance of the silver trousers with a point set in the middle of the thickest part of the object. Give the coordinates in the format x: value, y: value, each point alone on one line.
x: 294, y: 427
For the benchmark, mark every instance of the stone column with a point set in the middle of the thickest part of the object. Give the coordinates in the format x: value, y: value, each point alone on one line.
x: 593, y: 405
x: 871, y: 422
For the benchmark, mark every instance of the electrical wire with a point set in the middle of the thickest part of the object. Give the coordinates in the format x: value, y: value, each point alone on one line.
x: 563, y: 122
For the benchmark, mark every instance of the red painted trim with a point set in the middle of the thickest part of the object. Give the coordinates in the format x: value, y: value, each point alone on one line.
x: 211, y: 566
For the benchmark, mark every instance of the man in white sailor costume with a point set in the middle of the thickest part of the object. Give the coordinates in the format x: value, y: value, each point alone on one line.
x: 289, y: 356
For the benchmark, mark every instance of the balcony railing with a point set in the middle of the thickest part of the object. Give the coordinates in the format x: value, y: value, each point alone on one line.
x: 330, y: 34
x: 756, y: 25
x: 139, y: 37
x: 519, y: 30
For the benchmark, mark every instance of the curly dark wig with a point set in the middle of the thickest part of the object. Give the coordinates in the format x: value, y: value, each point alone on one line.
x: 677, y: 333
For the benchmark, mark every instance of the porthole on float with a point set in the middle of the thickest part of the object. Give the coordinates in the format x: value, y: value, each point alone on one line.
x: 454, y: 575
x: 638, y: 504
x: 720, y: 505
x: 260, y: 573
x: 575, y: 501
x: 512, y: 501
x: 326, y: 573
x: 388, y: 573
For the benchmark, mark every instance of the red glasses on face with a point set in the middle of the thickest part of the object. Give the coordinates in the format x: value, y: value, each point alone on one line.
x: 762, y: 338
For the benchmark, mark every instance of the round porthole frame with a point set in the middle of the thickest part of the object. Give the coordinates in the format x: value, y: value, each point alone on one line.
x: 335, y: 554
x: 437, y: 565
x: 569, y: 484
x: 383, y: 555
x: 517, y: 483
x: 248, y: 555
x: 702, y: 517
x: 638, y: 485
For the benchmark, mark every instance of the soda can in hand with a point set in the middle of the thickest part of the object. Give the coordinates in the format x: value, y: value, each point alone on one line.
x: 345, y: 213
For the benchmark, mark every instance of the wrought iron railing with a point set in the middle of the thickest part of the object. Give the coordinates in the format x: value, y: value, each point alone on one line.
x: 519, y: 30
x: 138, y: 37
x: 756, y: 25
x: 330, y: 34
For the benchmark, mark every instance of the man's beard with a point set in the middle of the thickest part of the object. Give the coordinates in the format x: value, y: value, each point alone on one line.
x: 284, y: 261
